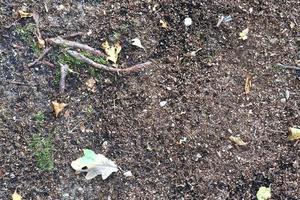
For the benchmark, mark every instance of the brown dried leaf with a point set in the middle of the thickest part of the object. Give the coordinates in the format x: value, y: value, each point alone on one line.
x: 41, y: 43
x: 248, y: 84
x: 58, y: 107
x: 237, y: 140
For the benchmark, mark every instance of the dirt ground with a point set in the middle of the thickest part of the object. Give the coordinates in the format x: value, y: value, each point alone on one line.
x: 179, y: 150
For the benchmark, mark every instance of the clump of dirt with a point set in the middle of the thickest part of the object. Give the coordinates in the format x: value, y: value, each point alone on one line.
x: 169, y: 124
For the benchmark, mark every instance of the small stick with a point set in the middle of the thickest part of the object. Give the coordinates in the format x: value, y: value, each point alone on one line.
x: 40, y: 57
x: 68, y: 43
x: 287, y: 66
x: 63, y: 73
x: 73, y: 35
x: 45, y: 62
x: 100, y: 66
x: 49, y: 48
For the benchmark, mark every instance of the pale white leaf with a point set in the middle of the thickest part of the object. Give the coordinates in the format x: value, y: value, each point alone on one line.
x: 137, y: 42
x: 94, y: 164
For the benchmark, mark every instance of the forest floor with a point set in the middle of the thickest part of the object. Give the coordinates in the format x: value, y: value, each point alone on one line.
x: 170, y: 123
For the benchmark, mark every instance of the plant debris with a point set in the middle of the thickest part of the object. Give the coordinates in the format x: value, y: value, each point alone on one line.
x: 237, y: 140
x: 58, y: 107
x: 263, y: 193
x: 16, y: 196
x: 94, y: 164
x: 112, y: 51
x: 137, y: 42
x: 248, y: 84
x: 244, y: 34
x: 294, y: 134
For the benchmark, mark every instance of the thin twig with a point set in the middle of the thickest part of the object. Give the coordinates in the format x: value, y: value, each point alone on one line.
x: 73, y: 35
x: 40, y: 57
x: 100, y: 66
x: 62, y: 42
x: 63, y: 73
x: 287, y: 66
x: 49, y: 48
x: 45, y: 62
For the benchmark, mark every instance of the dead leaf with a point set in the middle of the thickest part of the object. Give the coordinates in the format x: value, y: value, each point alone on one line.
x: 41, y: 43
x: 244, y: 34
x: 248, y: 84
x: 164, y: 24
x: 263, y: 193
x: 237, y: 140
x: 24, y: 14
x: 16, y: 196
x: 58, y: 107
x: 137, y: 42
x: 294, y: 134
x: 94, y: 164
x: 90, y: 83
x: 112, y: 51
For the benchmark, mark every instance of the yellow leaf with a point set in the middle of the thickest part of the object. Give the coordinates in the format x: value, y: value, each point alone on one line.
x: 295, y: 134
x: 237, y: 140
x: 164, y: 24
x: 248, y: 84
x: 58, y: 107
x: 244, y: 34
x: 112, y: 52
x: 24, y: 14
x: 16, y: 196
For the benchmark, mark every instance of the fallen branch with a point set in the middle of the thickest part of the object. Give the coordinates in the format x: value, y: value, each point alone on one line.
x: 49, y: 48
x: 104, y: 67
x: 63, y: 73
x: 62, y: 42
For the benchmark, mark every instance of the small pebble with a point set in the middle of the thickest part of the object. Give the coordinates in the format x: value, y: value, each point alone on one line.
x: 128, y: 174
x: 283, y: 100
x: 188, y: 21
x: 162, y: 103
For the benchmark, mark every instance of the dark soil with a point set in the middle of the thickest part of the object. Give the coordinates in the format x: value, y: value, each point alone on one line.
x: 180, y: 150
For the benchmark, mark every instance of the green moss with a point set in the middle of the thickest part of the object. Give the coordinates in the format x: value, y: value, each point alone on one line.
x: 43, y: 152
x: 26, y: 33
x: 39, y: 117
x: 75, y: 63
x: 57, y: 77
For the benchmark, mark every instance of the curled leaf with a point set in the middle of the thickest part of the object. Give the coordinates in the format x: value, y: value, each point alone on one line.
x: 137, y: 42
x: 41, y: 43
x: 24, y: 14
x: 58, y: 107
x: 294, y: 134
x: 244, y: 34
x: 237, y: 140
x: 164, y: 24
x: 112, y: 52
x: 263, y: 193
x: 248, y: 84
x: 94, y: 164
